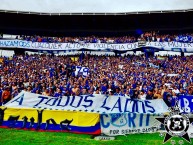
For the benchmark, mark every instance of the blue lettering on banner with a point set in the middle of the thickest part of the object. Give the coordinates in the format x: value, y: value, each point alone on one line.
x: 131, y: 120
x: 147, y: 119
x: 42, y: 99
x: 117, y: 105
x: 186, y: 103
x: 1, y: 43
x: 126, y: 104
x: 73, y: 100
x: 51, y: 101
x: 92, y: 103
x: 141, y: 118
x: 143, y: 107
x: 29, y: 44
x: 147, y: 105
x: 93, y: 46
x: 19, y: 99
x: 15, y: 43
x: 60, y: 100
x: 104, y: 103
x: 89, y: 101
x: 135, y: 106
x: 103, y: 123
x: 126, y: 123
x: 24, y: 44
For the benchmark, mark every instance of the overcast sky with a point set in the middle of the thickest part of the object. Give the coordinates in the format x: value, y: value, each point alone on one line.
x: 94, y: 6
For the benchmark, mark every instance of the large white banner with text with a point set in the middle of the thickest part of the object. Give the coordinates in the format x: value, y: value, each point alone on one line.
x: 171, y: 46
x: 88, y: 103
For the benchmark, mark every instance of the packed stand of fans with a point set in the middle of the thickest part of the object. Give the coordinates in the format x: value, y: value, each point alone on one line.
x: 91, y: 39
x: 147, y: 36
x: 135, y: 77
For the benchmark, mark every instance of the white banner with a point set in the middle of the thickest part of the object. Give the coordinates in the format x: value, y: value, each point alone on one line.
x: 128, y: 123
x: 88, y: 103
x: 171, y: 46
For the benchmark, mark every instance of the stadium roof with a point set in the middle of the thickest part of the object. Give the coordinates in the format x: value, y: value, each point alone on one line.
x: 97, y: 7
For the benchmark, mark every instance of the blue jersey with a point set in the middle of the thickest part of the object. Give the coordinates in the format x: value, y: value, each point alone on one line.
x: 58, y: 94
x: 1, y: 91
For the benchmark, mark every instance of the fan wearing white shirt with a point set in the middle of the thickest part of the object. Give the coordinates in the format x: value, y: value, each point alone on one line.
x: 176, y: 90
x: 142, y: 95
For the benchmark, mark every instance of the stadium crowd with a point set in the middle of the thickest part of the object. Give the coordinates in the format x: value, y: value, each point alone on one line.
x: 147, y: 36
x: 136, y: 77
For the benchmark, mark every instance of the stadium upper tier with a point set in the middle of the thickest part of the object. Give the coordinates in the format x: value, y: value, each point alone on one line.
x: 97, y: 25
x: 148, y: 36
